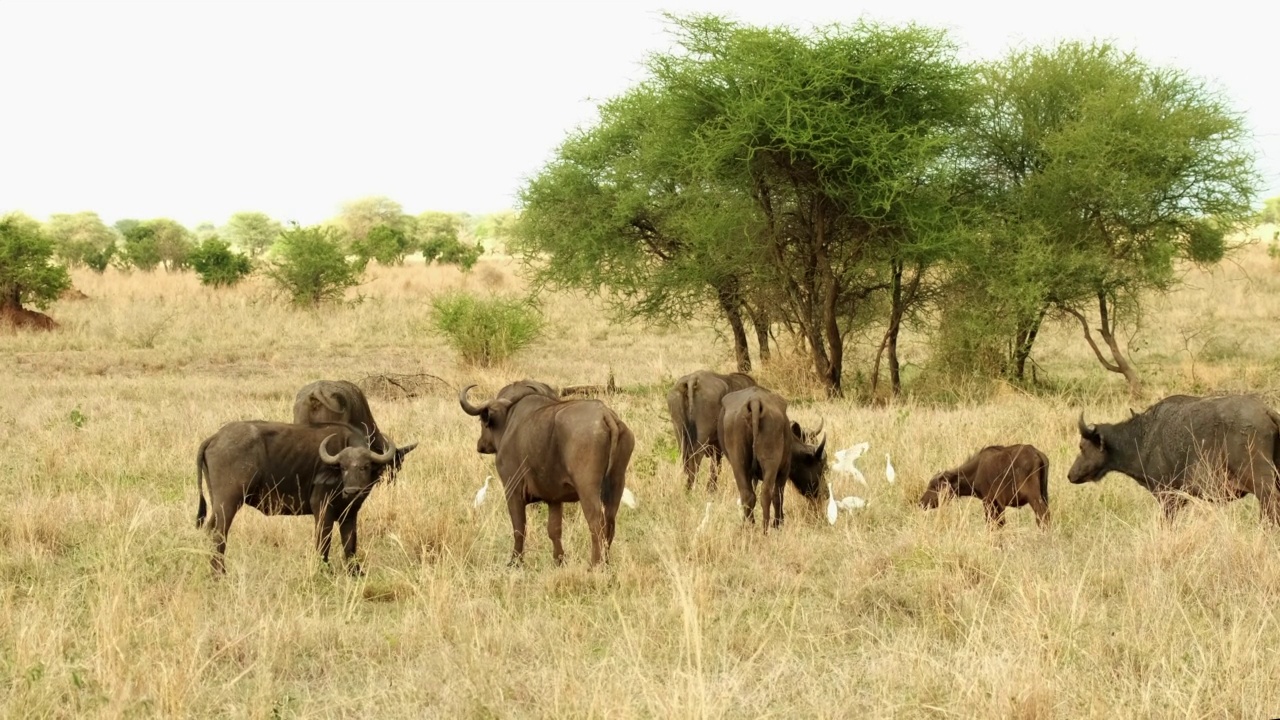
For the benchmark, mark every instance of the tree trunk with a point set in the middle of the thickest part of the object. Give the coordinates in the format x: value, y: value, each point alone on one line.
x: 1026, y: 338
x: 760, y: 320
x: 732, y: 310
x: 1118, y: 363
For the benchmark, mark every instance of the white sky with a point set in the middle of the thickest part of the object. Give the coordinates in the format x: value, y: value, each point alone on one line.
x: 196, y: 110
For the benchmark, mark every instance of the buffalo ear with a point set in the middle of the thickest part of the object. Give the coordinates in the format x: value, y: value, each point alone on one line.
x: 795, y: 430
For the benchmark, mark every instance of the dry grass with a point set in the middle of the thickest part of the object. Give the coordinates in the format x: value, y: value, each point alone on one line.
x: 107, y: 607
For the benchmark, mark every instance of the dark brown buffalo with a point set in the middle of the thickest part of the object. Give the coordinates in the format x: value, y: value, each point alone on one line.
x: 764, y: 446
x: 555, y: 451
x: 1216, y: 448
x: 694, y: 404
x: 284, y: 469
x: 340, y: 401
x: 1001, y: 476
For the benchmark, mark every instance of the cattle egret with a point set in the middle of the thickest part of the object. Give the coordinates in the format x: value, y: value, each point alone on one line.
x: 629, y: 499
x: 846, y: 458
x: 851, y: 503
x: 832, y: 510
x: 889, y: 473
x: 484, y: 490
x: 706, y: 518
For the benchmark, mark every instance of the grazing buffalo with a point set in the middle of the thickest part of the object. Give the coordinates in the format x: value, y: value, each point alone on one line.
x: 765, y: 447
x: 1001, y: 476
x: 1216, y: 448
x: 555, y: 451
x: 694, y: 403
x: 284, y: 469
x: 340, y: 401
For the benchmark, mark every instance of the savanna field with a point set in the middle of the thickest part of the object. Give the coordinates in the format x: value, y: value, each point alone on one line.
x: 109, y: 608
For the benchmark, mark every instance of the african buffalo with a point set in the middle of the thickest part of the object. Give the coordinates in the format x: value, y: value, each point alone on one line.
x: 694, y: 403
x: 284, y: 469
x: 555, y: 451
x: 764, y: 446
x: 340, y: 401
x: 1216, y: 448
x: 1000, y: 476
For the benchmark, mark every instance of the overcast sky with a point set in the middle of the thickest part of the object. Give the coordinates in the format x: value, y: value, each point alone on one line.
x: 196, y: 110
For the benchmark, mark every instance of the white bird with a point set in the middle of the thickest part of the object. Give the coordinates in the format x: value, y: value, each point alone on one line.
x: 851, y: 503
x: 846, y: 458
x: 889, y: 473
x: 706, y: 517
x: 832, y: 510
x: 629, y: 499
x: 484, y: 490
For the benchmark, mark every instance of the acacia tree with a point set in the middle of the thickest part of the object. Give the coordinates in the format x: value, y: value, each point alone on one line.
x: 1101, y: 171
x: 617, y: 210
x: 359, y: 217
x: 252, y: 232
x: 796, y: 169
x: 82, y: 239
x: 27, y: 273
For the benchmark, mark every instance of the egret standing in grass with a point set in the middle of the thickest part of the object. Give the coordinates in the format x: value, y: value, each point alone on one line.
x: 629, y: 499
x: 706, y: 517
x: 484, y: 490
x: 832, y: 510
x: 889, y: 473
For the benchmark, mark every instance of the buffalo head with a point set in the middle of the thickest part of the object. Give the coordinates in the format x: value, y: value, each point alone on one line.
x: 493, y: 420
x: 1093, y: 461
x: 938, y: 485
x: 358, y: 466
x: 808, y: 463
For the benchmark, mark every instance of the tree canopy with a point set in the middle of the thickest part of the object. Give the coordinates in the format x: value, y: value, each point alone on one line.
x: 27, y: 271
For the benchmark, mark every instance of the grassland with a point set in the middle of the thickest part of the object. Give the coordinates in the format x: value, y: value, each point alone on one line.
x: 107, y: 607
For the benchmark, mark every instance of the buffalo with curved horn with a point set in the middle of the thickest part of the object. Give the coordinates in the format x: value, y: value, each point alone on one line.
x: 555, y: 451
x: 284, y: 469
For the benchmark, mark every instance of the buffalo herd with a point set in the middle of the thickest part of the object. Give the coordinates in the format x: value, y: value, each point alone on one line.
x: 551, y: 449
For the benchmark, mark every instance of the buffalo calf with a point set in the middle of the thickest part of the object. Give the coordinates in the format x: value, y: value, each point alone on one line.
x: 1002, y: 476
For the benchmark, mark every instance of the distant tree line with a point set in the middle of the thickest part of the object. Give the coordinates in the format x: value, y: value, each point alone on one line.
x: 857, y: 179
x: 310, y: 264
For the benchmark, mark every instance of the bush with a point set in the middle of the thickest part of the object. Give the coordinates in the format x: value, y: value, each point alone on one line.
x: 97, y: 259
x: 311, y: 266
x: 217, y: 265
x: 27, y: 273
x: 385, y: 244
x: 451, y: 251
x: 141, y: 248
x: 485, y: 331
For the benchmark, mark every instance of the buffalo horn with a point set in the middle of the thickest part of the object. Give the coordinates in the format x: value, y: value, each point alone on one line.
x: 821, y: 445
x: 821, y: 423
x: 324, y: 454
x: 1086, y: 430
x: 389, y: 452
x: 467, y: 407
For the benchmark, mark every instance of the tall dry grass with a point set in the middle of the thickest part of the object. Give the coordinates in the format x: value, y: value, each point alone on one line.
x: 107, y: 608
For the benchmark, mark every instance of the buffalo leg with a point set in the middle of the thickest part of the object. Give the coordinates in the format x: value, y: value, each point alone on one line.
x: 768, y: 491
x: 1041, y: 509
x: 516, y: 508
x: 593, y: 511
x: 347, y: 527
x: 713, y: 468
x: 1264, y: 487
x: 616, y: 480
x: 324, y: 530
x: 555, y: 521
x: 995, y: 513
x: 1171, y: 503
x: 778, y: 493
x: 746, y: 493
x: 218, y: 525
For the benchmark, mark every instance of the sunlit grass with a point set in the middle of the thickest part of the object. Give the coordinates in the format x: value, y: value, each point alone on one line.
x: 108, y: 608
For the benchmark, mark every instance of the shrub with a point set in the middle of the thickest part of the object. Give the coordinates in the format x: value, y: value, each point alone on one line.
x: 311, y: 266
x: 451, y: 251
x: 217, y: 265
x: 385, y: 244
x: 485, y: 331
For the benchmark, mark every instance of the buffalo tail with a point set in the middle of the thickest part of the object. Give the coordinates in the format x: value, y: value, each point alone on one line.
x: 1044, y: 478
x: 755, y: 412
x: 202, y: 470
x: 607, y: 490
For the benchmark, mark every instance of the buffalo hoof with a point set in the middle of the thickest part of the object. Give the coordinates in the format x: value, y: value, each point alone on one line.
x: 355, y: 570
